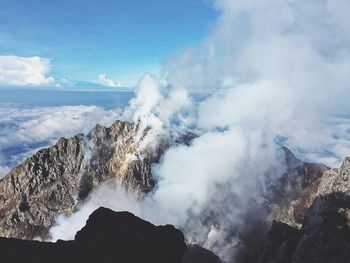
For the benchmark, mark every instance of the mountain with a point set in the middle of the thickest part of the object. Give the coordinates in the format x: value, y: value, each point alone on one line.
x: 57, y: 179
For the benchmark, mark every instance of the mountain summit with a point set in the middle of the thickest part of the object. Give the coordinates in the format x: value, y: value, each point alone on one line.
x: 57, y: 179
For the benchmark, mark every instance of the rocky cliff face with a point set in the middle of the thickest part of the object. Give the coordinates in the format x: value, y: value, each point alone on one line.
x: 55, y: 180
x: 324, y: 236
x: 292, y: 194
x: 285, y: 204
x: 325, y: 233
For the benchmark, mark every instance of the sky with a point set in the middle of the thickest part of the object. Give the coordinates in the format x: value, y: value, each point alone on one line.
x: 109, y: 42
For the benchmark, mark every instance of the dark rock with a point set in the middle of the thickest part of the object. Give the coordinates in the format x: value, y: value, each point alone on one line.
x: 324, y: 236
x: 279, y: 244
x: 107, y: 237
x: 198, y: 254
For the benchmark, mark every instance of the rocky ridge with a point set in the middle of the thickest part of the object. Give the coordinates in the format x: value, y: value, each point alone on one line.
x: 57, y: 179
x: 325, y: 232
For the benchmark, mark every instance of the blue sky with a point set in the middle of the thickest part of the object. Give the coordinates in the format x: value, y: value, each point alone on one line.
x: 119, y: 38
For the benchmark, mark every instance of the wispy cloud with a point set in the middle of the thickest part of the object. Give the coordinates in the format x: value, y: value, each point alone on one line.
x: 25, y: 71
x: 105, y: 81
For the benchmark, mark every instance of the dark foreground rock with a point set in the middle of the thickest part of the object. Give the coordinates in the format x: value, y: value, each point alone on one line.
x: 107, y: 237
x: 198, y: 254
x: 323, y: 238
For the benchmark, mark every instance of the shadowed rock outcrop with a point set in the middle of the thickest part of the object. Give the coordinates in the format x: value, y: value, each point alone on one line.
x: 323, y: 238
x: 107, y: 237
x: 198, y: 254
x: 325, y: 232
x: 285, y: 196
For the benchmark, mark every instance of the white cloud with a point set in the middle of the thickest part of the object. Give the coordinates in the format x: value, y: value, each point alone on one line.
x: 108, y: 196
x: 105, y: 81
x: 25, y: 71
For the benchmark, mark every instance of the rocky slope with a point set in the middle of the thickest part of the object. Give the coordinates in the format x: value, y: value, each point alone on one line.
x: 292, y: 194
x: 286, y: 201
x: 55, y: 180
x: 325, y: 232
x: 324, y: 236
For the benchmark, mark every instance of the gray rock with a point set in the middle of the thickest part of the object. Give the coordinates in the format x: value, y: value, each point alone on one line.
x: 325, y: 233
x: 323, y: 238
x: 57, y: 179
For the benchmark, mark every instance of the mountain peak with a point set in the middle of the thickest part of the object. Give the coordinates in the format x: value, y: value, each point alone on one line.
x: 57, y: 179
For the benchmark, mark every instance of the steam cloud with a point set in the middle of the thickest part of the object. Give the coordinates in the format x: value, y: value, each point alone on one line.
x: 279, y: 71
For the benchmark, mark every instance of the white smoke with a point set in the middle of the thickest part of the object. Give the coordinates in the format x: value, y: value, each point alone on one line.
x: 165, y: 111
x: 106, y: 196
x: 280, y: 70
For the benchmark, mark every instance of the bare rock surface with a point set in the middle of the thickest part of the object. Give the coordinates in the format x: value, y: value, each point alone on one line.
x: 294, y: 192
x: 336, y: 180
x: 323, y: 238
x: 324, y: 235
x: 56, y: 179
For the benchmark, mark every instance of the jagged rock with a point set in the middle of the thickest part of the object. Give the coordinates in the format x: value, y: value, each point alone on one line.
x: 286, y: 199
x: 56, y: 179
x: 336, y: 180
x: 279, y: 244
x: 107, y: 237
x: 325, y: 234
x: 323, y: 238
x: 293, y: 193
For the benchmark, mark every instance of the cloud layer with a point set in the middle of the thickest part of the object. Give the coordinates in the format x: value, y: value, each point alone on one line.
x: 25, y: 130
